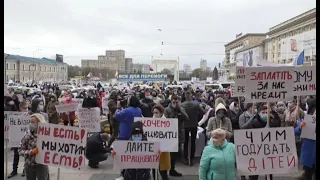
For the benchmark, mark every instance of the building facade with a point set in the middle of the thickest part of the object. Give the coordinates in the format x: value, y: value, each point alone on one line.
x: 160, y: 64
x: 241, y: 42
x: 140, y: 68
x: 286, y: 40
x: 187, y: 68
x: 203, y: 64
x: 113, y: 59
x: 27, y: 69
x: 128, y: 65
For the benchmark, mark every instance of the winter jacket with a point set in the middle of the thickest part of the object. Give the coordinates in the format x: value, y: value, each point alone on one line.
x: 193, y: 110
x: 90, y: 102
x: 94, y: 145
x: 182, y: 116
x: 125, y: 117
x: 251, y: 122
x: 308, y: 149
x: 218, y: 163
x: 215, y: 123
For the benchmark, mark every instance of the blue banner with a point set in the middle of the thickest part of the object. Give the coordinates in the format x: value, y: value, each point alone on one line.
x: 142, y: 77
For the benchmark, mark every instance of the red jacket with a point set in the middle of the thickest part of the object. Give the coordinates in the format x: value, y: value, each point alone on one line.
x: 72, y: 115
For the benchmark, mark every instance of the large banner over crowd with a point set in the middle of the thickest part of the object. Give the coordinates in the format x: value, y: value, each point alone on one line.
x: 142, y: 77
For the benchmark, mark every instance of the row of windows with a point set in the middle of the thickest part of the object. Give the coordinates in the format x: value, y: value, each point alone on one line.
x: 295, y: 32
x: 23, y: 78
x: 42, y: 68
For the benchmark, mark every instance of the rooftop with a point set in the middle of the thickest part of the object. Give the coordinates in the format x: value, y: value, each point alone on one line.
x: 244, y: 36
x: 31, y: 59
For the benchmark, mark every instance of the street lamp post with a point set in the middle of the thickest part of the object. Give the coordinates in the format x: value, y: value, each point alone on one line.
x: 33, y: 64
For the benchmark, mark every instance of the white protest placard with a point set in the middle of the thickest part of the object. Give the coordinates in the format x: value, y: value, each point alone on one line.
x: 62, y: 146
x: 304, y: 80
x: 61, y: 108
x: 136, y: 155
x: 233, y: 89
x: 265, y: 151
x: 209, y: 79
x: 309, y: 129
x: 163, y: 130
x: 18, y: 125
x: 105, y: 108
x: 6, y: 121
x: 240, y: 82
x: 269, y: 84
x: 89, y: 118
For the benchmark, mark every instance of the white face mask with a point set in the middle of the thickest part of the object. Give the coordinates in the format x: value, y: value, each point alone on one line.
x: 40, y: 107
x: 157, y: 116
x: 11, y: 103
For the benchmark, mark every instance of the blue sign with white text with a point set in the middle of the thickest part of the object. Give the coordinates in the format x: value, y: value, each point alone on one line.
x: 142, y: 77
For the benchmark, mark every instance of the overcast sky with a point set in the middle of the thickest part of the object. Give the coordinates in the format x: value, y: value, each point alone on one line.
x: 189, y: 29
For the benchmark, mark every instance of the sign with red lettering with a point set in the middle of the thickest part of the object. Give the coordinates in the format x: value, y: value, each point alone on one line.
x: 136, y: 155
x: 62, y: 146
x: 18, y: 125
x: 89, y: 118
x: 266, y: 151
x: 304, y: 80
x: 309, y: 129
x: 163, y: 130
x: 269, y: 84
x: 240, y: 82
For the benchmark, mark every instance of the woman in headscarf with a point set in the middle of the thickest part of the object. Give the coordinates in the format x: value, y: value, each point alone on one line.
x: 218, y: 158
x: 51, y: 109
x: 29, y: 150
x: 164, y: 162
x: 37, y: 106
x: 292, y: 114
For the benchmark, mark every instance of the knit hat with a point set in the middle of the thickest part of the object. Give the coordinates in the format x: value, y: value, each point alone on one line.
x: 137, y: 127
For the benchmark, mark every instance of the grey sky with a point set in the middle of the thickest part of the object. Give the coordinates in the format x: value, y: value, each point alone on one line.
x: 191, y: 29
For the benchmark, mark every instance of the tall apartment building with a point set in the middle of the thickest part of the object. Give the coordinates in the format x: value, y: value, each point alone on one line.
x: 203, y: 64
x: 187, y: 68
x: 128, y: 65
x: 113, y: 59
x: 286, y: 40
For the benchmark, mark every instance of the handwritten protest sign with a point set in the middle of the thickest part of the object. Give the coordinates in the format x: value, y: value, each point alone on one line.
x: 62, y: 146
x: 89, y: 118
x: 269, y: 84
x: 18, y: 125
x: 6, y: 121
x: 265, y: 151
x: 309, y: 130
x: 233, y: 89
x: 136, y: 155
x: 61, y: 108
x: 304, y: 80
x: 105, y: 108
x: 240, y: 82
x: 163, y: 130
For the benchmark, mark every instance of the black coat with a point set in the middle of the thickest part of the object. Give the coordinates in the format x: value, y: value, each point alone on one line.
x: 95, y: 145
x: 90, y: 102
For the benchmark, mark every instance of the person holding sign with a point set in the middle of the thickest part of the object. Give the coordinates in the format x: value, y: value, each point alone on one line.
x: 29, y: 150
x: 68, y: 117
x: 308, y: 146
x: 218, y: 158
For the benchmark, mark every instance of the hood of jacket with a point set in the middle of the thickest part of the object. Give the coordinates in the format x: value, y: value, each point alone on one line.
x: 220, y: 106
x: 218, y: 101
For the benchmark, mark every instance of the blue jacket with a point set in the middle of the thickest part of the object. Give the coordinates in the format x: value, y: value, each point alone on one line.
x: 218, y: 163
x: 308, y: 149
x: 125, y: 118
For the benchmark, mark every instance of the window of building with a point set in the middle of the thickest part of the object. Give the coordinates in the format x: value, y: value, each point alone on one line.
x: 54, y: 69
x: 14, y: 66
x: 23, y: 78
x: 49, y: 69
x: 278, y: 54
x: 7, y: 78
x: 273, y: 47
x: 313, y: 58
x: 14, y: 77
x: 7, y: 66
x: 272, y: 55
x: 23, y: 67
x: 291, y: 33
x: 279, y: 38
x: 45, y: 68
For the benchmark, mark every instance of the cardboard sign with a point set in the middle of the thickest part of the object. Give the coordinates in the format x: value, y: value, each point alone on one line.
x: 309, y: 130
x: 62, y: 146
x: 6, y: 121
x: 240, y: 82
x: 18, y: 125
x: 105, y: 108
x: 305, y: 80
x: 269, y: 84
x: 61, y: 108
x: 89, y: 118
x: 136, y: 155
x: 266, y: 151
x: 163, y: 130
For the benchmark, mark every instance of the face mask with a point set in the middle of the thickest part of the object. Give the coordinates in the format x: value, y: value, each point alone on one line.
x: 52, y: 99
x: 236, y: 109
x: 157, y: 116
x: 136, y: 138
x: 32, y: 127
x: 290, y: 105
x: 68, y: 98
x: 11, y: 103
x: 280, y: 109
x: 220, y: 116
x: 174, y: 105
x: 154, y: 95
x: 40, y: 107
x: 264, y: 116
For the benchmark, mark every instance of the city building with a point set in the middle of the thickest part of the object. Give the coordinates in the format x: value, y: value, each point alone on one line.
x: 187, y: 68
x: 208, y: 68
x: 140, y: 68
x: 128, y: 65
x: 248, y: 55
x: 27, y: 69
x: 244, y: 41
x: 286, y: 40
x: 160, y: 64
x: 203, y: 64
x: 113, y: 59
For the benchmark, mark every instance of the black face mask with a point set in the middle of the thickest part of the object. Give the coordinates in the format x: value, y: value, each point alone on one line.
x: 154, y: 95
